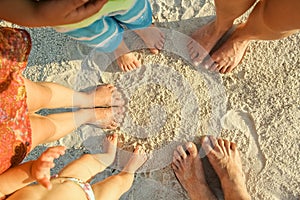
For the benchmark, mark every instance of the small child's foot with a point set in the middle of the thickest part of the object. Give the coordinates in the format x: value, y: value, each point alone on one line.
x: 153, y: 38
x: 125, y: 59
x: 107, y: 95
x: 110, y: 148
x: 138, y: 158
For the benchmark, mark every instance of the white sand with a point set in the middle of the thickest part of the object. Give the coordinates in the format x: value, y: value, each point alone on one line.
x: 262, y: 99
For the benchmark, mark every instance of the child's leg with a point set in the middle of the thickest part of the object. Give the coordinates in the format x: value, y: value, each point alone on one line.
x: 138, y: 18
x: 53, y: 127
x: 89, y: 165
x: 52, y: 95
x: 115, y: 186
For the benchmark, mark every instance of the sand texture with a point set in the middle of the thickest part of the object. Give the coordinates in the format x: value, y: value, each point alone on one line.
x: 170, y: 102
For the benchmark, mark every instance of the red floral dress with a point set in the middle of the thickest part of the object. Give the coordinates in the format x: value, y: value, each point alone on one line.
x: 15, y: 132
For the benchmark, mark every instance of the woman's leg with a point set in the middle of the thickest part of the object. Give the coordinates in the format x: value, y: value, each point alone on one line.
x: 52, y: 95
x: 269, y: 20
x: 115, y: 186
x: 205, y: 38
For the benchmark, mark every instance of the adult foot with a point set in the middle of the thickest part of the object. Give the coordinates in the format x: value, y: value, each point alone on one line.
x: 225, y: 159
x: 153, y: 38
x: 230, y: 54
x: 189, y: 171
x: 203, y: 40
x: 109, y: 148
x: 107, y: 95
x: 138, y: 158
x: 125, y: 59
x: 108, y: 118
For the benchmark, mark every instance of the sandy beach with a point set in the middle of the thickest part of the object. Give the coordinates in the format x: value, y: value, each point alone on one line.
x: 170, y: 102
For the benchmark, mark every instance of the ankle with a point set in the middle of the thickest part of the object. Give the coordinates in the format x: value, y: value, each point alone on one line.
x: 235, y: 189
x: 83, y: 100
x: 221, y: 26
x: 202, y: 192
x: 84, y: 116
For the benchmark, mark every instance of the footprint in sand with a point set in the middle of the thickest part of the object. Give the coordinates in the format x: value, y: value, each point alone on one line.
x: 244, y: 126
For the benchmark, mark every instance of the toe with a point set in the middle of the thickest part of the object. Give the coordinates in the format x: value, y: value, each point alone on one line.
x: 227, y: 147
x: 181, y: 152
x: 207, y: 63
x: 137, y: 63
x: 154, y: 50
x: 206, y: 144
x: 192, y: 149
x: 177, y: 157
x: 233, y: 146
x: 221, y: 144
x: 223, y: 69
x: 194, y: 54
x: 229, y: 69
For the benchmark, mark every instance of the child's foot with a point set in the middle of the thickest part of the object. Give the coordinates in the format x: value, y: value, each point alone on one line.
x: 189, y: 171
x: 204, y: 39
x: 125, y: 59
x: 230, y: 54
x: 108, y: 118
x: 107, y: 95
x: 153, y: 38
x: 138, y: 158
x: 225, y: 159
x: 109, y: 149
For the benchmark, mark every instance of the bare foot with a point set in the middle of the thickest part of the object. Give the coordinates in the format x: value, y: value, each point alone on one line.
x: 189, y: 171
x: 230, y: 54
x: 225, y: 159
x: 110, y: 148
x: 107, y: 95
x: 125, y: 59
x: 207, y: 36
x: 204, y: 39
x: 153, y: 38
x: 138, y: 158
x: 108, y: 118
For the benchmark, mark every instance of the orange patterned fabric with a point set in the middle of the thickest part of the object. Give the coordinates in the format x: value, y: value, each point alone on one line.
x: 15, y: 132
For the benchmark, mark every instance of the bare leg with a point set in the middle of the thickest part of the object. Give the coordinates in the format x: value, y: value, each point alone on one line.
x: 270, y: 20
x: 207, y: 36
x: 189, y: 171
x: 152, y: 37
x: 61, y: 124
x: 113, y: 187
x: 225, y: 159
x: 52, y: 95
x: 89, y: 165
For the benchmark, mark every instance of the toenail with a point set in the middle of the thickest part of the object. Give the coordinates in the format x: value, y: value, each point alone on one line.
x: 189, y: 146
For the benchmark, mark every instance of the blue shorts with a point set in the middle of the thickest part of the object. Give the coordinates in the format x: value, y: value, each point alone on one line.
x: 106, y: 33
